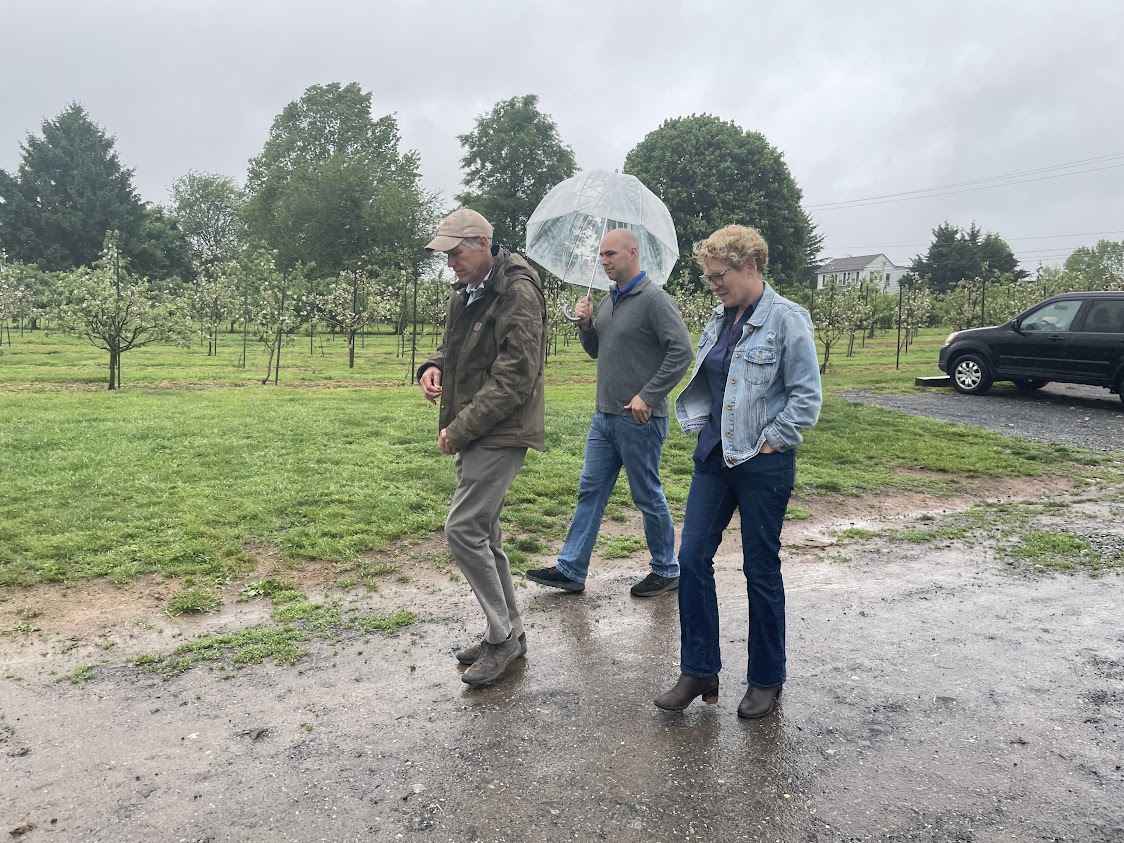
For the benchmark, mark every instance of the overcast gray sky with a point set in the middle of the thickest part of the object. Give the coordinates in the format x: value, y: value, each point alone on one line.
x: 865, y: 99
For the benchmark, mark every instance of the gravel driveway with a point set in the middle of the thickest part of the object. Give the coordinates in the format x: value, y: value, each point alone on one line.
x: 1082, y: 416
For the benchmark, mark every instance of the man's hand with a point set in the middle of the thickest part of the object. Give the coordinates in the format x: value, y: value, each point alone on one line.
x: 583, y: 310
x: 445, y: 443
x: 431, y: 384
x: 766, y: 448
x: 641, y: 412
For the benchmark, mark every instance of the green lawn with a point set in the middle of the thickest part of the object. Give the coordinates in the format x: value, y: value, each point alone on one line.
x: 194, y: 468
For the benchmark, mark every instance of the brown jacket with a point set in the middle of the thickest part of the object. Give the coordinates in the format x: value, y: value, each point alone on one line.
x: 491, y: 360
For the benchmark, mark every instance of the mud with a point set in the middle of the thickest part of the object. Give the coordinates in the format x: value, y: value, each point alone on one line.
x: 936, y: 694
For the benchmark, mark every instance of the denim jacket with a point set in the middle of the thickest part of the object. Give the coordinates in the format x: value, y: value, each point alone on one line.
x: 773, y: 389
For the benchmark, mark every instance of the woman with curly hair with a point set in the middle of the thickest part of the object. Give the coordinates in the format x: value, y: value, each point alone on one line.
x: 754, y: 386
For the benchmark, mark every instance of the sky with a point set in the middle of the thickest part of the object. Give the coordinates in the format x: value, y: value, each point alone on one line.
x: 1006, y: 114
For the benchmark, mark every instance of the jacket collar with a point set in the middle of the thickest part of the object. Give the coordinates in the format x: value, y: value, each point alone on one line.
x: 640, y: 285
x: 760, y: 311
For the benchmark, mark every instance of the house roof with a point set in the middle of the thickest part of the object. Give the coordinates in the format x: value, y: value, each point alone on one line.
x: 858, y: 262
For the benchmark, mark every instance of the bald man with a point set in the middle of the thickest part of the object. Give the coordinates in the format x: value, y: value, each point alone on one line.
x: 642, y: 350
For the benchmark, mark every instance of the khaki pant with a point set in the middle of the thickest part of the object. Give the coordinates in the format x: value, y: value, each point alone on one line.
x: 473, y: 531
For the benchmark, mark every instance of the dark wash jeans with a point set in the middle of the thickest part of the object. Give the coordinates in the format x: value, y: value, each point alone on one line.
x: 759, y: 489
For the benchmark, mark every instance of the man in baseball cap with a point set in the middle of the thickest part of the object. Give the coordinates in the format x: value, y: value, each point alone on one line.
x: 462, y: 223
x: 488, y: 375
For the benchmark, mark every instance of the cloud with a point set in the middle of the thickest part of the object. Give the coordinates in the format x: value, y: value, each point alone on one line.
x: 864, y: 98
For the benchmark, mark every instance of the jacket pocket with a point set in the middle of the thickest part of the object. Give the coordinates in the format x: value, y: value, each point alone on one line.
x: 761, y: 364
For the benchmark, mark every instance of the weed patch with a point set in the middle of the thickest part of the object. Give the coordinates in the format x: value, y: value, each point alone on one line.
x: 301, y: 621
x: 195, y: 601
x: 82, y: 673
x: 1060, y: 550
x: 621, y: 547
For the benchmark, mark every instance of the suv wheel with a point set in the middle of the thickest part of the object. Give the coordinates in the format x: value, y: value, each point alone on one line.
x: 970, y: 375
x: 1031, y: 384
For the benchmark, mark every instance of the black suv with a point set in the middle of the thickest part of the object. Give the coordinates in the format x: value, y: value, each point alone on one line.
x: 1072, y: 338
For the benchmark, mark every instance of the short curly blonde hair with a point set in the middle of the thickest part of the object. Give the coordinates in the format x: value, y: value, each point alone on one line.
x: 735, y: 246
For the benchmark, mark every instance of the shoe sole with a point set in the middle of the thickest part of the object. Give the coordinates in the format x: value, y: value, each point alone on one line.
x: 573, y: 588
x: 673, y: 587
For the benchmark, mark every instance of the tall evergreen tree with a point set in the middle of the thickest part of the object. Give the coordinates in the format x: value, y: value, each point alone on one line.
x: 69, y: 190
x: 957, y: 255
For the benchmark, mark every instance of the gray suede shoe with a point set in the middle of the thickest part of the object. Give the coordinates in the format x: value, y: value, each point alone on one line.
x: 758, y: 702
x: 491, y: 662
x: 470, y: 654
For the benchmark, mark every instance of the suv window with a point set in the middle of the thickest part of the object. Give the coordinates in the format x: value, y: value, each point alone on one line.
x: 1053, y: 317
x: 1105, y: 317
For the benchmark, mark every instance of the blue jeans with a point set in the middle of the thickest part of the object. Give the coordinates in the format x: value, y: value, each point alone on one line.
x: 759, y: 489
x: 615, y: 441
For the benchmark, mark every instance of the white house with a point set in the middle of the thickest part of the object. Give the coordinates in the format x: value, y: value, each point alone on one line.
x: 872, y: 269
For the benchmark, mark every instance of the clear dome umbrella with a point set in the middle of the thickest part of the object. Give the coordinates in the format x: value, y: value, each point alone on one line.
x: 564, y: 233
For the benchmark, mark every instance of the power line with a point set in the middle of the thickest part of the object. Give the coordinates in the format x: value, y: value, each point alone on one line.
x: 1007, y: 239
x: 841, y: 206
x: 947, y: 189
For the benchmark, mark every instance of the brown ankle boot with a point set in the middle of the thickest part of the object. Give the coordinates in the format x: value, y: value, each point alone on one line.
x: 685, y: 691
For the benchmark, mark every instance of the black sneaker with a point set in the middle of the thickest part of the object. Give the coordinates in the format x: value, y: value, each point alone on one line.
x: 555, y: 579
x: 654, y: 584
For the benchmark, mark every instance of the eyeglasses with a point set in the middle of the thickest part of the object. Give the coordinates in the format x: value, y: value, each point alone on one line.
x: 716, y: 278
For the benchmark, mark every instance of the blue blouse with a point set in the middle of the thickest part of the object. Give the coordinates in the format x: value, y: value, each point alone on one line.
x: 716, y: 369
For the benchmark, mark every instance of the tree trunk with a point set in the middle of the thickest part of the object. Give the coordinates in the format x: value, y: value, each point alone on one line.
x: 113, y: 364
x: 268, y: 367
x: 351, y: 349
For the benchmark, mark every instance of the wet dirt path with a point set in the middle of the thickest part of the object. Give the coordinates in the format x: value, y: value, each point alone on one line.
x: 935, y: 694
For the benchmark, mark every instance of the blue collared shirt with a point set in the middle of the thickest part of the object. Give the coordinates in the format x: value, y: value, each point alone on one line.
x: 617, y: 292
x: 716, y: 369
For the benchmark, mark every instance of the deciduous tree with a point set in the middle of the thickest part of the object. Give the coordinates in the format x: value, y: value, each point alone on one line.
x: 710, y: 173
x: 276, y: 306
x: 357, y: 299
x: 117, y: 310
x: 1100, y: 267
x: 832, y: 316
x: 208, y: 208
x: 15, y: 295
x: 214, y: 299
x: 331, y: 188
x: 512, y: 158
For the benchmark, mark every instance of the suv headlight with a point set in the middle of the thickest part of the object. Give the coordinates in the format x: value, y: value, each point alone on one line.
x: 951, y: 337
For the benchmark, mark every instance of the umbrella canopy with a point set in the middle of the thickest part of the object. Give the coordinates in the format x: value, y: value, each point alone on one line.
x: 564, y: 233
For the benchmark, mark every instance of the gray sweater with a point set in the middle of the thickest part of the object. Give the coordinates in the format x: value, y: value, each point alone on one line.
x: 641, y: 346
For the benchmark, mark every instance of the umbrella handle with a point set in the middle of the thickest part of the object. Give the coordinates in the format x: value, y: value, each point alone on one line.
x: 566, y: 308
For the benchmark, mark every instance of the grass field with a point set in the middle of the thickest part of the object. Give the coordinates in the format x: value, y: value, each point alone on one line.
x: 195, y: 469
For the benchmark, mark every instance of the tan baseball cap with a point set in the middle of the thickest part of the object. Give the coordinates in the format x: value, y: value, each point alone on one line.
x: 463, y: 222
